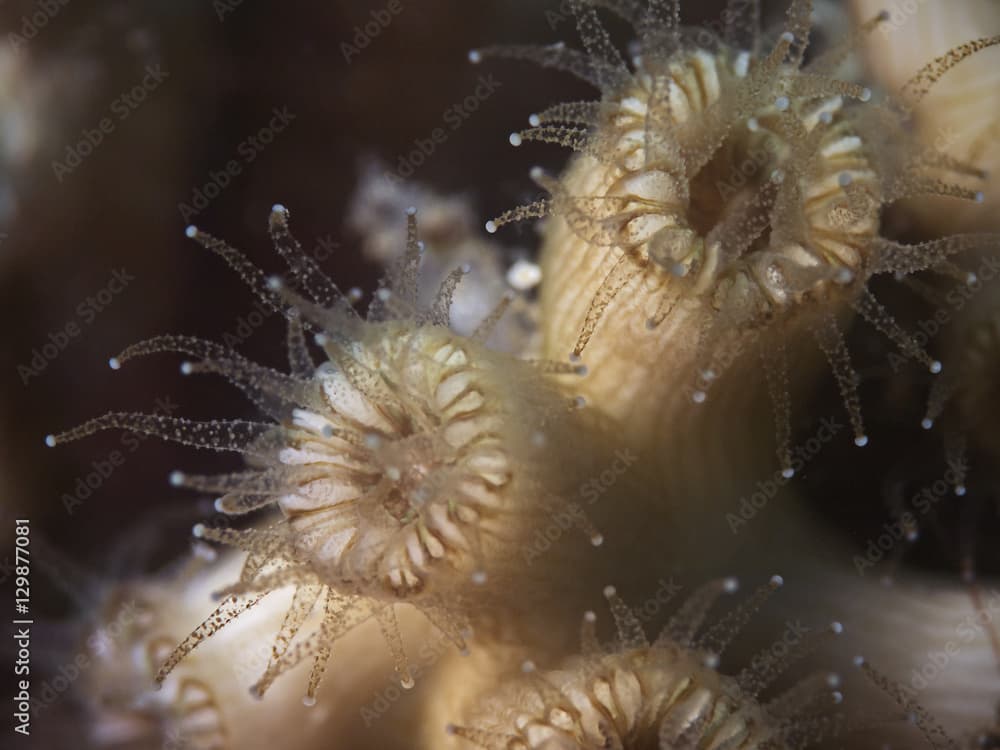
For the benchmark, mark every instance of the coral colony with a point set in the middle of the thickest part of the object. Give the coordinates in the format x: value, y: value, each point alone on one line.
x: 407, y: 484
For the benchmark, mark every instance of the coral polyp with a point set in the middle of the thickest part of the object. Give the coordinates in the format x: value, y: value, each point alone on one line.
x: 406, y: 467
x: 726, y: 194
x: 661, y: 694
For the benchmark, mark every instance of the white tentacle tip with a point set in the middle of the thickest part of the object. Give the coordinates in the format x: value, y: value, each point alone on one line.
x: 191, y: 231
x: 491, y: 226
x: 861, y: 441
x: 475, y: 56
x: 114, y: 363
x: 50, y: 440
x: 176, y: 478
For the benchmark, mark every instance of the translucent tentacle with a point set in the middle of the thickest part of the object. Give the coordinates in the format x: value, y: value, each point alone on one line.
x: 831, y: 341
x: 221, y: 435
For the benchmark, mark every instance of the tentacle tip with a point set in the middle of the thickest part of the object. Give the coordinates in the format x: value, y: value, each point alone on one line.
x: 191, y: 231
x: 935, y: 367
x: 788, y: 472
x: 859, y: 661
x: 187, y: 368
x: 479, y: 577
x: 515, y: 139
x: 309, y: 701
x: 590, y: 616
x: 198, y: 531
x: 609, y: 591
x: 836, y: 627
x: 527, y: 666
x: 411, y: 211
x: 256, y: 692
x: 279, y: 209
x: 536, y: 173
x: 788, y: 37
x: 114, y: 363
x: 699, y: 397
x: 731, y: 585
x: 475, y: 56
x: 926, y: 423
x: 711, y: 661
x: 406, y: 681
x: 844, y: 179
x: 979, y: 197
x: 534, y: 120
x: 971, y: 279
x: 960, y: 490
x: 776, y: 582
x: 597, y: 540
x: 176, y: 478
x: 782, y: 103
x: 219, y: 505
x: 861, y: 441
x: 866, y: 95
x: 274, y: 283
x: 491, y: 226
x: 50, y: 440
